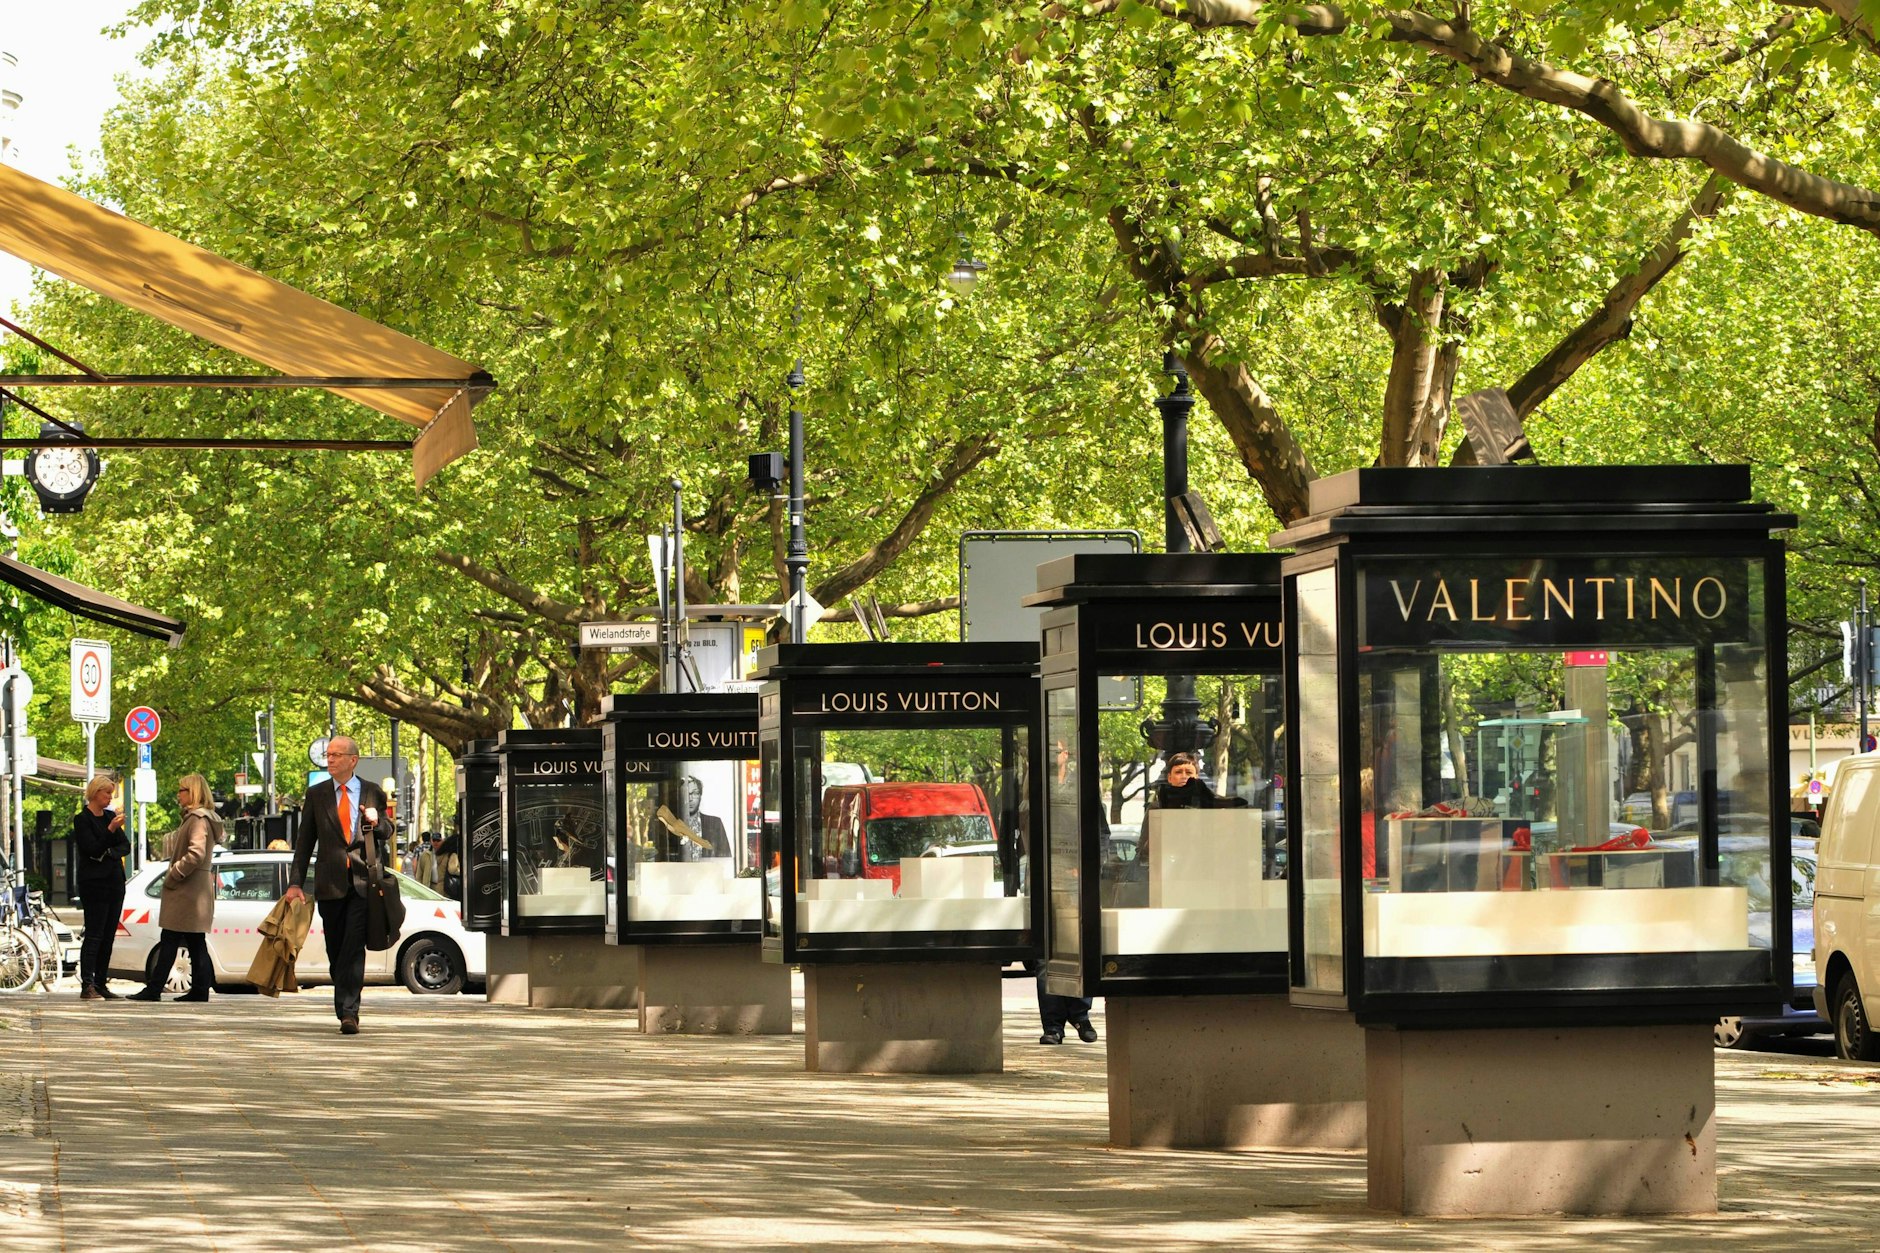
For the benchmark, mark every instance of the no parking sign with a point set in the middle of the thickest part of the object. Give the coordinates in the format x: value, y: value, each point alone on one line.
x: 143, y: 725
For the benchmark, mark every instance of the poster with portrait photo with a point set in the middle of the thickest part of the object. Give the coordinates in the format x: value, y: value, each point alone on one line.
x: 706, y: 798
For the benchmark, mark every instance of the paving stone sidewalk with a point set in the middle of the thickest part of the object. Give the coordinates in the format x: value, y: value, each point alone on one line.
x: 249, y: 1124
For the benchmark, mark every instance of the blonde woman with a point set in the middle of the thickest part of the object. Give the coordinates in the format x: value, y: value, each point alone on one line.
x: 187, y: 909
x: 98, y: 835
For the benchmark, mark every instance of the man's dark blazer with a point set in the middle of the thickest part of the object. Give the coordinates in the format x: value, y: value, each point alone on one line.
x: 322, y: 840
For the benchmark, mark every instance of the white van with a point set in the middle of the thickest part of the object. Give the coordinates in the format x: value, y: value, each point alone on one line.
x: 1847, y: 909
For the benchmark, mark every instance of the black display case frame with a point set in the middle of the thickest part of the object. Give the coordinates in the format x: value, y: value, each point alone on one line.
x: 1147, y: 614
x: 1513, y: 522
x: 641, y: 736
x: 811, y: 688
x: 480, y: 836
x: 572, y: 757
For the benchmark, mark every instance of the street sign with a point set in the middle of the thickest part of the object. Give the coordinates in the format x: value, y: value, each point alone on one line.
x: 29, y: 754
x: 247, y: 789
x: 143, y: 756
x: 316, y: 752
x: 240, y: 779
x: 143, y: 725
x: 619, y: 634
x: 22, y: 694
x: 144, y: 786
x: 91, y: 681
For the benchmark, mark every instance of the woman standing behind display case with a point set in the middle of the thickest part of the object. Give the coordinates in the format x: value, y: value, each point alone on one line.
x: 98, y: 833
x: 1182, y: 788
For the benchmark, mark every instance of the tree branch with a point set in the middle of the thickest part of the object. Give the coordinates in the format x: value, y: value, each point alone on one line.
x: 1612, y: 321
x: 967, y: 453
x: 535, y: 602
x: 1597, y: 98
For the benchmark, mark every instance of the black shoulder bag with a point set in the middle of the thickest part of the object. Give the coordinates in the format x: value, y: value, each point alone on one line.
x: 385, y: 908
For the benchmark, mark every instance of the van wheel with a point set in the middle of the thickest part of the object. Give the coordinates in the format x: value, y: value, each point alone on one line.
x: 433, y: 966
x: 1853, y: 1037
x: 1729, y: 1034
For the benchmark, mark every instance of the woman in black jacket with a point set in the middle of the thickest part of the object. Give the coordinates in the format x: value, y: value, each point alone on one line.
x: 102, y: 846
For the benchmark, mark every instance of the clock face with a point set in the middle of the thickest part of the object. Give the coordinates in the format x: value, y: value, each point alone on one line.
x: 61, y: 471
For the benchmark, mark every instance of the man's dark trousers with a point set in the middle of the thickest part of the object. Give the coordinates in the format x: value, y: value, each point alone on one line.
x: 345, y: 923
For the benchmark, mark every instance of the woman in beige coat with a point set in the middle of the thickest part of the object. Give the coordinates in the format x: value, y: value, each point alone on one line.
x: 187, y: 909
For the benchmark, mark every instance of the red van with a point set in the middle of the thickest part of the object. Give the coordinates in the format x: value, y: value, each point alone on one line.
x: 869, y: 827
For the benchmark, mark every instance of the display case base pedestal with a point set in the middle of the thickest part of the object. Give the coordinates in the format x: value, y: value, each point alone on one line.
x: 1573, y: 1120
x: 1233, y: 1072
x: 563, y: 972
x: 929, y: 1018
x: 712, y: 989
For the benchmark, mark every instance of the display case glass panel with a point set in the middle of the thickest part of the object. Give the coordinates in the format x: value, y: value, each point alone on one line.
x: 1319, y: 790
x: 1064, y: 828
x: 1492, y: 818
x: 554, y: 828
x: 903, y: 800
x: 1202, y: 875
x: 683, y: 806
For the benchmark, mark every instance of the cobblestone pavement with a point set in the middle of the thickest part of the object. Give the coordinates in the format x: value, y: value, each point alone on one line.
x: 453, y: 1124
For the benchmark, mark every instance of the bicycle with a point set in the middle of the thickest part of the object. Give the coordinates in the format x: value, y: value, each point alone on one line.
x: 27, y: 916
x: 19, y: 948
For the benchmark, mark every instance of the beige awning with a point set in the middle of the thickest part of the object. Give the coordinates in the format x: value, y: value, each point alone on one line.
x: 234, y: 307
x: 89, y: 602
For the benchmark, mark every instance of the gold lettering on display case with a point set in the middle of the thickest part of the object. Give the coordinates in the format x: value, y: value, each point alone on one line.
x: 1195, y: 636
x: 1547, y: 602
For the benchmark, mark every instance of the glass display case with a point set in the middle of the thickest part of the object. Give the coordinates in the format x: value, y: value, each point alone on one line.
x: 896, y: 787
x: 555, y: 873
x: 680, y: 791
x: 480, y: 835
x: 1165, y: 795
x: 1487, y: 661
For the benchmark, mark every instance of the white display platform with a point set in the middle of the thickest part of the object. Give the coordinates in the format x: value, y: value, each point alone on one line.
x: 951, y: 878
x: 1489, y: 924
x: 848, y: 890
x: 1205, y: 859
x: 567, y: 891
x: 692, y: 891
x: 1258, y: 928
x: 905, y: 914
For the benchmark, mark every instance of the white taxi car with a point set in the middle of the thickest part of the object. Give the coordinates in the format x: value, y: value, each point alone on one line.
x: 434, y: 953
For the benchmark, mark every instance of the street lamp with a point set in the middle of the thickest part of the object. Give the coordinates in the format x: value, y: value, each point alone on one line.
x: 966, y: 270
x: 1181, y: 728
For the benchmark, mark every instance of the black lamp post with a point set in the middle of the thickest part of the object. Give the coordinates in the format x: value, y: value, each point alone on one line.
x: 796, y: 555
x: 1180, y: 728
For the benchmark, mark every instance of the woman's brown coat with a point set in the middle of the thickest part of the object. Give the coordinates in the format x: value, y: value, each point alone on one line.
x: 188, y: 902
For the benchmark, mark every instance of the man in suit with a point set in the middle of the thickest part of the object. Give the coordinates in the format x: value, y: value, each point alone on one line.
x: 708, y: 827
x: 336, y: 819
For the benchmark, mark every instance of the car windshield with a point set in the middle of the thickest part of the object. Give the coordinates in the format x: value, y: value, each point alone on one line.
x: 891, y: 839
x: 411, y: 889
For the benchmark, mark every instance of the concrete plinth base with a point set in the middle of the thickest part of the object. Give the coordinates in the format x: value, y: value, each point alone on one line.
x: 712, y: 989
x: 1581, y: 1120
x: 563, y: 972
x: 932, y: 1018
x: 1233, y: 1072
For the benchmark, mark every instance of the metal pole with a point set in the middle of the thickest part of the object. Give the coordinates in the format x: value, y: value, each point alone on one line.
x: 796, y: 555
x: 1181, y: 711
x: 332, y: 716
x: 91, y: 751
x: 1863, y: 653
x: 267, y: 765
x: 680, y: 635
x: 398, y: 782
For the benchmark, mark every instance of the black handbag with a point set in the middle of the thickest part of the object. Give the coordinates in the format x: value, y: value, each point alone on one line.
x: 385, y: 908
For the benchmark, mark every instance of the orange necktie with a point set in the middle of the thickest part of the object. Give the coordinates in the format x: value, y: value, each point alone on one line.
x: 345, y: 814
